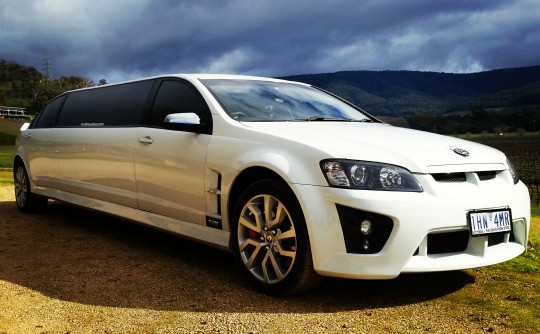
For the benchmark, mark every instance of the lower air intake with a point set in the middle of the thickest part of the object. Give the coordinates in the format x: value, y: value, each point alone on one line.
x: 448, y: 242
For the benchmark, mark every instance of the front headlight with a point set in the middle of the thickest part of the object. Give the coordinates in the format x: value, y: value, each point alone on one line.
x: 512, y: 171
x: 368, y: 176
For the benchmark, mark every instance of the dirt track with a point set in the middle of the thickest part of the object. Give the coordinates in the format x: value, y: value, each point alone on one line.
x: 73, y: 271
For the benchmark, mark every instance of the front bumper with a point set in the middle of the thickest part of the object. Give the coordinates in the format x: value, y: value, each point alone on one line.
x: 441, y: 208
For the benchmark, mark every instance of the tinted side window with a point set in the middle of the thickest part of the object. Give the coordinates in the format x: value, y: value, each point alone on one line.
x: 177, y: 97
x: 47, y: 117
x: 120, y: 105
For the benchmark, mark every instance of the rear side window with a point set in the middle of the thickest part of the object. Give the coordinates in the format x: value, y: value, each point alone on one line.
x: 177, y: 97
x: 120, y: 105
x: 47, y: 117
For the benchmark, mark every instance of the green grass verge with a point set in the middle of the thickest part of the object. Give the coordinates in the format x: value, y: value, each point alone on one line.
x: 507, y: 294
x: 474, y: 136
x: 6, y: 165
x: 530, y: 261
x: 6, y: 177
x: 9, y: 129
x: 6, y: 157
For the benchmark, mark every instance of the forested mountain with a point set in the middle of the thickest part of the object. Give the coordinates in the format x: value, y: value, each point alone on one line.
x: 441, y: 102
x: 25, y: 87
x: 403, y: 93
x: 17, y: 84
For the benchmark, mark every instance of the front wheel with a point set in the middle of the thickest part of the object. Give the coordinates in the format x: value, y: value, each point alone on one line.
x: 26, y: 201
x: 270, y: 240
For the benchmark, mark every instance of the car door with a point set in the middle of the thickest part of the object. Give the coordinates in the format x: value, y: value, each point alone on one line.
x: 34, y: 143
x: 91, y: 148
x: 170, y: 164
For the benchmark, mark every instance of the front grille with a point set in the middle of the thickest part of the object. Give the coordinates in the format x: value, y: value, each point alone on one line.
x: 485, y: 176
x: 495, y: 239
x: 456, y: 242
x: 462, y: 177
x: 449, y: 177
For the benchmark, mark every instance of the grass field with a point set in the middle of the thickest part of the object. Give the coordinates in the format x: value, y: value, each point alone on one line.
x: 6, y: 178
x: 9, y: 129
x: 6, y: 156
x: 474, y: 136
x: 6, y: 162
x: 517, y: 281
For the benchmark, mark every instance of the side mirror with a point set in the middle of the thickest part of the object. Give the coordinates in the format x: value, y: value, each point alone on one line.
x: 190, y: 122
x: 25, y: 126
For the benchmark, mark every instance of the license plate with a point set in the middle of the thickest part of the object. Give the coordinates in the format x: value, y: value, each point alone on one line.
x: 484, y: 222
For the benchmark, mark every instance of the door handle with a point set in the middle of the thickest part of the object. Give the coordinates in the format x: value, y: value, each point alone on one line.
x: 146, y: 140
x: 27, y: 135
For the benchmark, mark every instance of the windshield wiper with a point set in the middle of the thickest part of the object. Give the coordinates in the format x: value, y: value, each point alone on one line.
x: 330, y: 119
x: 322, y: 119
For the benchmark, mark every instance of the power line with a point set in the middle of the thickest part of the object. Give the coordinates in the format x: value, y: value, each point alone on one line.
x: 46, y: 67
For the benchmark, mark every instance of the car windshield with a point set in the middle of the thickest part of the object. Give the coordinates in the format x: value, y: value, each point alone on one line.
x: 260, y: 101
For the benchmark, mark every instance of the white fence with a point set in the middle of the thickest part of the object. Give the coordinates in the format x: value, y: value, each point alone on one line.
x: 13, y: 112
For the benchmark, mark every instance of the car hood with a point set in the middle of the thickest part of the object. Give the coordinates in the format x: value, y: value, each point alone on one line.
x: 418, y: 151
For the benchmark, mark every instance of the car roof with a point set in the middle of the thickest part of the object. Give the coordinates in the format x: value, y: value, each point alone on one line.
x: 194, y: 77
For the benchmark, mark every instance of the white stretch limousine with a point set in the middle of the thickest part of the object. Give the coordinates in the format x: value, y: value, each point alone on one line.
x: 296, y: 182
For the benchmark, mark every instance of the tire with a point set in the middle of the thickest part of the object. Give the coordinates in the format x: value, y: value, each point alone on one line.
x: 27, y: 202
x: 270, y: 240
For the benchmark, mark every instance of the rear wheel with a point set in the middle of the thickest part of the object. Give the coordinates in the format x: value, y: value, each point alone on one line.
x: 270, y: 240
x: 26, y: 201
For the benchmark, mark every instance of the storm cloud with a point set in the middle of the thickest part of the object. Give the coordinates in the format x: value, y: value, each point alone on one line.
x: 124, y: 39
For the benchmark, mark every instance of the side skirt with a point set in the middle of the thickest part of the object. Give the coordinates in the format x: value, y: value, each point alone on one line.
x: 207, y: 235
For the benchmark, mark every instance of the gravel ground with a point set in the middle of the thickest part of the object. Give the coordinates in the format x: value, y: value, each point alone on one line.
x: 73, y: 271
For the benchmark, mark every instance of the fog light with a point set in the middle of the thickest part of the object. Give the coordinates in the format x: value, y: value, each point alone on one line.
x: 358, y: 225
x: 365, y: 244
x: 365, y: 226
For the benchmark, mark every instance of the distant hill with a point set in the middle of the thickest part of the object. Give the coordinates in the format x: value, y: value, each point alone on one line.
x: 403, y: 93
x: 17, y: 84
x: 25, y: 87
x: 382, y: 93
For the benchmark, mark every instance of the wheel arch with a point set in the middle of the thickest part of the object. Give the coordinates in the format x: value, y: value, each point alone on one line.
x: 27, y: 201
x: 298, y: 280
x: 16, y: 161
x: 243, y: 180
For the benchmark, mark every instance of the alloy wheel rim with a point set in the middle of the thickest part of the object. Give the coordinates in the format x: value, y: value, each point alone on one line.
x: 267, y: 239
x: 21, y: 187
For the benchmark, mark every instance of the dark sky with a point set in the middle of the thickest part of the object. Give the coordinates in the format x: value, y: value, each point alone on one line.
x: 127, y: 39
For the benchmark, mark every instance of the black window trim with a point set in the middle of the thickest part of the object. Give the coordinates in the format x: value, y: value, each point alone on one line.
x: 135, y: 125
x: 147, y: 108
x: 35, y: 121
x: 206, y: 119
